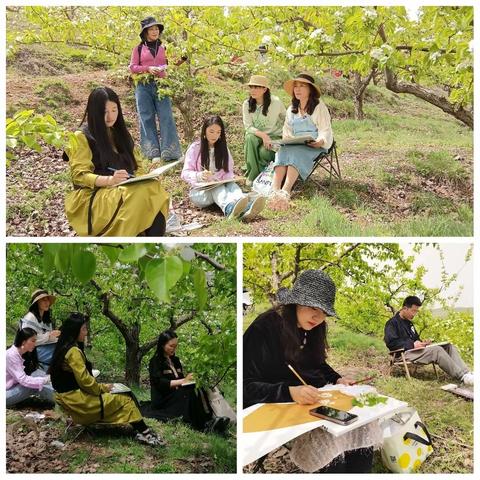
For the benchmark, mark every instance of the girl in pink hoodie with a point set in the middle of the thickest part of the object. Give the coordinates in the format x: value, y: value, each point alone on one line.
x: 209, y: 159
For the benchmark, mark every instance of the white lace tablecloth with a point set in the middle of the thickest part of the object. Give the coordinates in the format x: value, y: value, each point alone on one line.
x: 257, y: 444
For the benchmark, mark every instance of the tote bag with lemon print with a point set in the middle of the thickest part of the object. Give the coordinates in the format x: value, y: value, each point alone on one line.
x: 406, y: 442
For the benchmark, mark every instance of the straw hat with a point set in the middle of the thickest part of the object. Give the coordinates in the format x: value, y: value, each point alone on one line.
x: 258, y: 81
x: 302, y: 77
x: 313, y: 288
x: 39, y: 294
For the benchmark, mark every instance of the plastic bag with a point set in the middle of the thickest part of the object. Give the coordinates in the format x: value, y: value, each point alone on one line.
x: 263, y: 183
x: 406, y: 442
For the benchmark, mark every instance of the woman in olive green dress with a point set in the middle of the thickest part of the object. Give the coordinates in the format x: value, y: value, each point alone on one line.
x: 79, y: 394
x: 102, y: 158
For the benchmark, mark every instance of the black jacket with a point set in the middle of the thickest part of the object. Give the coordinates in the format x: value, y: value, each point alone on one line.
x: 160, y: 376
x: 400, y: 333
x: 266, y: 377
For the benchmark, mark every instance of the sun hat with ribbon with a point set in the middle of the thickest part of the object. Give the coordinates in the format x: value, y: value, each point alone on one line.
x: 313, y: 288
x: 258, y: 81
x: 302, y: 77
x: 39, y: 294
x: 147, y: 23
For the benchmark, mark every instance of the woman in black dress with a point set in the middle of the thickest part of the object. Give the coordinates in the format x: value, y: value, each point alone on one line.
x: 295, y: 333
x: 173, y: 394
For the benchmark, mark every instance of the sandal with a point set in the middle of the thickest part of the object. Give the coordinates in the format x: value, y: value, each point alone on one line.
x: 278, y: 200
x: 149, y: 437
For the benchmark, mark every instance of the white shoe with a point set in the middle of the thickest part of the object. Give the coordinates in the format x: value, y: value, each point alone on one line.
x: 467, y: 379
x: 238, y: 208
x: 254, y: 207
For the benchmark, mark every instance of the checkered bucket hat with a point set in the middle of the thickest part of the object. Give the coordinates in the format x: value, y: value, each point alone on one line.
x: 313, y: 288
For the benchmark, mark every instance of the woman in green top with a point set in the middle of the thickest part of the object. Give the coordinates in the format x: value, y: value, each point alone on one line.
x: 263, y: 117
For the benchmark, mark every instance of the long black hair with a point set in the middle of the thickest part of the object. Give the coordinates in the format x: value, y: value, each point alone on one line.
x: 221, y: 150
x: 163, y: 339
x: 46, y: 318
x: 68, y: 338
x: 313, y: 101
x: 115, y: 150
x: 291, y: 335
x: 30, y: 359
x: 267, y: 99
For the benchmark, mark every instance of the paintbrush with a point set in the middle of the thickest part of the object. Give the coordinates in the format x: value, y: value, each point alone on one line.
x: 366, y: 379
x: 296, y: 374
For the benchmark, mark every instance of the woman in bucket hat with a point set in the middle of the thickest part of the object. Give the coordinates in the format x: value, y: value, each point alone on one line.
x: 39, y: 318
x: 263, y: 117
x: 150, y: 57
x: 294, y: 333
x: 307, y: 115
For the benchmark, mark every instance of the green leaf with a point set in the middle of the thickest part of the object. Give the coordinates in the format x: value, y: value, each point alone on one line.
x: 49, y: 251
x: 132, y: 253
x: 62, y: 258
x: 162, y: 274
x: 30, y: 142
x: 200, y: 285
x: 186, y: 267
x: 84, y: 265
x: 112, y: 253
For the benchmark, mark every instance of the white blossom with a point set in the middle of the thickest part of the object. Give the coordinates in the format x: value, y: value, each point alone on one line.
x: 316, y: 33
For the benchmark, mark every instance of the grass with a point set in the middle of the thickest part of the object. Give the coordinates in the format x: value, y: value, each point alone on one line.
x: 439, y: 165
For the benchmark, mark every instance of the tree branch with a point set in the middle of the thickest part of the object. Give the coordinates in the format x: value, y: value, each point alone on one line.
x: 210, y: 260
x: 398, y: 86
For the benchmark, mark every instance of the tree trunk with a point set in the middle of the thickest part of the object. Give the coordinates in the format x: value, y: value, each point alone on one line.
x: 358, y: 104
x: 359, y: 87
x: 188, y: 128
x: 133, y: 361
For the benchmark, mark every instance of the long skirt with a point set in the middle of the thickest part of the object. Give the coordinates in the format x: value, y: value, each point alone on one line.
x: 123, y: 211
x: 190, y: 406
x: 300, y: 157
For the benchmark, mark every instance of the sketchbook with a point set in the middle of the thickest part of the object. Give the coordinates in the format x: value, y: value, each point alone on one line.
x: 153, y: 174
x: 439, y: 344
x: 120, y: 388
x: 295, y: 141
x: 215, y: 183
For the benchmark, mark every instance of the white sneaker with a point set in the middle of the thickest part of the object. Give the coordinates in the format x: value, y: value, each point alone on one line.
x: 467, y: 379
x: 254, y: 207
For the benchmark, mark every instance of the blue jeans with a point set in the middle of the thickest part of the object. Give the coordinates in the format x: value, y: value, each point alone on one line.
x: 45, y: 353
x: 18, y: 393
x: 149, y: 107
x: 221, y: 195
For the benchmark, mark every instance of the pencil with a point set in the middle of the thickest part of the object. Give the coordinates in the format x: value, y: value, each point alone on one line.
x: 115, y: 169
x: 296, y: 374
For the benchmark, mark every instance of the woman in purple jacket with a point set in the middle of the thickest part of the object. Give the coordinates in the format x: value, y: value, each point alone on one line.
x: 19, y: 385
x: 150, y: 57
x: 209, y: 159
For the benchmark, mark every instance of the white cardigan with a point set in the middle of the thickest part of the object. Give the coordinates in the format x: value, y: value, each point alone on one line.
x: 320, y: 117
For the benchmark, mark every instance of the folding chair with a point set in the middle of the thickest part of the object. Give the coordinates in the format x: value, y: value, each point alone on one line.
x: 329, y: 162
x: 398, y: 359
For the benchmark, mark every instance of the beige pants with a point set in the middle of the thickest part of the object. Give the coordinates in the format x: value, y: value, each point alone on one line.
x: 445, y: 356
